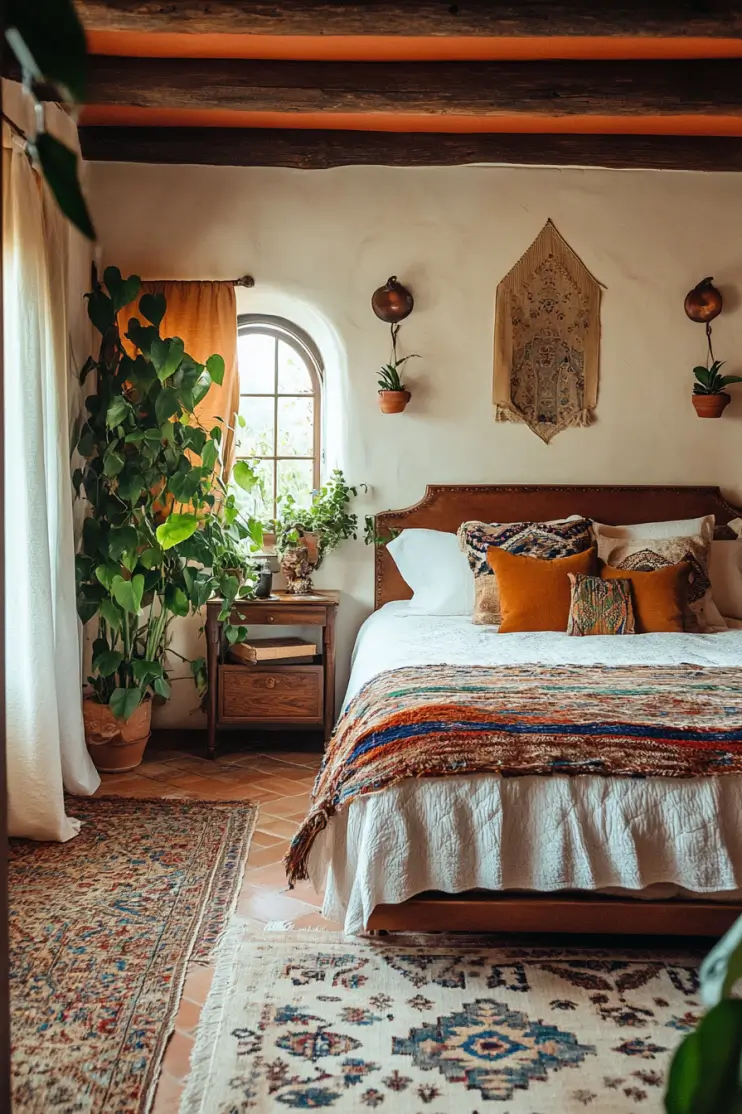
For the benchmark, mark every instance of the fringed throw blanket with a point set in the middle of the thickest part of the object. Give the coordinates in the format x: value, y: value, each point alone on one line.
x: 439, y: 720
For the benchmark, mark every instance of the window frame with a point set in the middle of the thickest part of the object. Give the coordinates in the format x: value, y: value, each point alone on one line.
x: 282, y: 329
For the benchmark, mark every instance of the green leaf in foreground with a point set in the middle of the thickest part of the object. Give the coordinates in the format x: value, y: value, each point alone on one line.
x: 177, y: 528
x: 244, y: 476
x: 48, y: 39
x: 59, y: 166
x: 215, y: 368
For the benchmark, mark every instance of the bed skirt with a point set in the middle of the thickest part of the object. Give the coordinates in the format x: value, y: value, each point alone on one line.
x: 648, y: 838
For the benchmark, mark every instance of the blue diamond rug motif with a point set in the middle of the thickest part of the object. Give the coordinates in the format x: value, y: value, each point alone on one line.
x: 491, y: 1048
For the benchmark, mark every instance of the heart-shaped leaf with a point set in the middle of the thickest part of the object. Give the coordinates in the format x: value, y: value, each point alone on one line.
x: 152, y: 307
x: 106, y: 574
x: 167, y: 404
x: 209, y: 455
x: 110, y: 612
x: 130, y: 487
x: 215, y: 368
x: 166, y: 355
x: 59, y: 166
x: 122, y: 291
x: 150, y: 558
x: 107, y: 662
x: 117, y: 412
x: 244, y: 476
x: 113, y: 463
x: 162, y: 687
x: 176, y: 600
x: 145, y: 671
x: 128, y: 593
x: 176, y: 528
x: 123, y: 540
x: 125, y: 702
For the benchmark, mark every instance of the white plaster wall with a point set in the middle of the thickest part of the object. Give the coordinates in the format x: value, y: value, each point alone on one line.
x: 328, y: 238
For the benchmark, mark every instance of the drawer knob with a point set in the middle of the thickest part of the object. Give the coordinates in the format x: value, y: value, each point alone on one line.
x: 270, y: 682
x: 270, y: 618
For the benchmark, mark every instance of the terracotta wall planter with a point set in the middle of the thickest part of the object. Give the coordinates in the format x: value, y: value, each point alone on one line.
x: 711, y: 406
x: 116, y: 745
x: 393, y: 402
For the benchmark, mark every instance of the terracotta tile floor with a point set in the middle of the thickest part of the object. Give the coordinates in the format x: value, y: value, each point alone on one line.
x: 279, y: 782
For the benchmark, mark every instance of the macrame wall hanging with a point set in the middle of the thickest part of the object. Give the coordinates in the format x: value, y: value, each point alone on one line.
x: 547, y: 339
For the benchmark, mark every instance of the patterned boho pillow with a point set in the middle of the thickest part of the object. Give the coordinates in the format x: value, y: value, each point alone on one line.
x: 600, y: 606
x: 622, y: 548
x: 545, y: 540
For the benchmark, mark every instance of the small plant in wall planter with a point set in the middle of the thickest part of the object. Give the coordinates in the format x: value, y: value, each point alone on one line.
x: 709, y: 395
x: 393, y: 394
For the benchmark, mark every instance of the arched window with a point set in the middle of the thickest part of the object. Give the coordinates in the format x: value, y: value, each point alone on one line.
x: 278, y: 428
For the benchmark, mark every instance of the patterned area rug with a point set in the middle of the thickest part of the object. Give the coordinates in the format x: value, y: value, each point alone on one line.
x: 102, y: 929
x: 307, y: 1021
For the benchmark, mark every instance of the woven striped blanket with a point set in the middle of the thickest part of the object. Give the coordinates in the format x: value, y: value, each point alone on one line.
x: 439, y: 720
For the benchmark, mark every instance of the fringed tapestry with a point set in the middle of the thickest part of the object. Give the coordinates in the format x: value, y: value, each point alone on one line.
x: 547, y: 339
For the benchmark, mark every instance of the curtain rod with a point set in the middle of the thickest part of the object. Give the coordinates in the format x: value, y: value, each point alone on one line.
x: 245, y: 280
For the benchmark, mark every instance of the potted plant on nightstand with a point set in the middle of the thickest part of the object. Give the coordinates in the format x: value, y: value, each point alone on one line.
x: 164, y: 536
x: 709, y: 396
x: 305, y: 535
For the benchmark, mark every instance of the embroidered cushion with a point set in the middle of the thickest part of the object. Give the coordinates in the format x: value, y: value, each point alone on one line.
x: 622, y: 548
x: 545, y: 540
x: 599, y: 606
x: 535, y: 594
x: 658, y: 597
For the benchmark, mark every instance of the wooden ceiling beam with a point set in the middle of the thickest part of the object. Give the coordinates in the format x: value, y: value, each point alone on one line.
x: 669, y: 87
x: 317, y: 150
x: 671, y: 18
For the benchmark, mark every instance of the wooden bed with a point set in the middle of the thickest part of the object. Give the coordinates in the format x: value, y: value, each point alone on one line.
x: 445, y: 507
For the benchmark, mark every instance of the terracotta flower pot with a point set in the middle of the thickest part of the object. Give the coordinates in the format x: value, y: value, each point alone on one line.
x: 393, y: 402
x: 711, y: 406
x: 116, y: 745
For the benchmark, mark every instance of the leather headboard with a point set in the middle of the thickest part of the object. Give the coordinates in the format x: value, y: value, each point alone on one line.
x: 446, y: 506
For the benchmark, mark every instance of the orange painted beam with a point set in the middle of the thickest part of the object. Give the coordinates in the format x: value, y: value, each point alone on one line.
x: 378, y: 48
x: 132, y: 116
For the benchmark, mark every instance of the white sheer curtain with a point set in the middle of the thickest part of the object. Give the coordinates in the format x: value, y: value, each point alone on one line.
x: 45, y: 740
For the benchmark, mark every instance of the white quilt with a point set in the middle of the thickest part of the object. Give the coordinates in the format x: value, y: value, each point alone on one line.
x: 530, y: 833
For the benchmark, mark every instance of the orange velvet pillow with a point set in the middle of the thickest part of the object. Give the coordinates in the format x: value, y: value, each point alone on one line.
x: 536, y: 594
x: 658, y: 596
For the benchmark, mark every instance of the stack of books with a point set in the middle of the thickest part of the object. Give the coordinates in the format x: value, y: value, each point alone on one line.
x: 277, y: 651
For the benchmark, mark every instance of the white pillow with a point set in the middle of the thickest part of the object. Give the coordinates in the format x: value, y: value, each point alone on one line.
x: 709, y: 616
x: 432, y: 564
x: 725, y: 573
x: 672, y: 528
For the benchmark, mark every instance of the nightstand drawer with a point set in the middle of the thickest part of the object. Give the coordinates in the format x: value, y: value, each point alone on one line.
x: 285, y: 615
x: 280, y: 694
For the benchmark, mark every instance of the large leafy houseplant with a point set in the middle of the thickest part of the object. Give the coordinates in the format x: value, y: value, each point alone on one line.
x: 706, y: 1072
x: 164, y: 535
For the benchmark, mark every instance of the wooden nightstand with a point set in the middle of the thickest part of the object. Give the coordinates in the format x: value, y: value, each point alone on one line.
x: 272, y: 695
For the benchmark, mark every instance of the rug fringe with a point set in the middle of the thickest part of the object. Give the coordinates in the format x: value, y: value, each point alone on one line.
x: 196, y: 1093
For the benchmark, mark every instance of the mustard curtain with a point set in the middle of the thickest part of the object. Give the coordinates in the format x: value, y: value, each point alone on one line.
x: 204, y: 316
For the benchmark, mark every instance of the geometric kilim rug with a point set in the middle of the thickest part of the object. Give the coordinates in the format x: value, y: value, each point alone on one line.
x: 102, y: 929
x: 305, y: 1021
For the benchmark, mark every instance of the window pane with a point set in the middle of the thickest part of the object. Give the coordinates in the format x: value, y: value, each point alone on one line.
x: 259, y: 501
x: 256, y: 360
x: 255, y: 438
x: 296, y: 477
x: 293, y: 374
x: 295, y: 427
